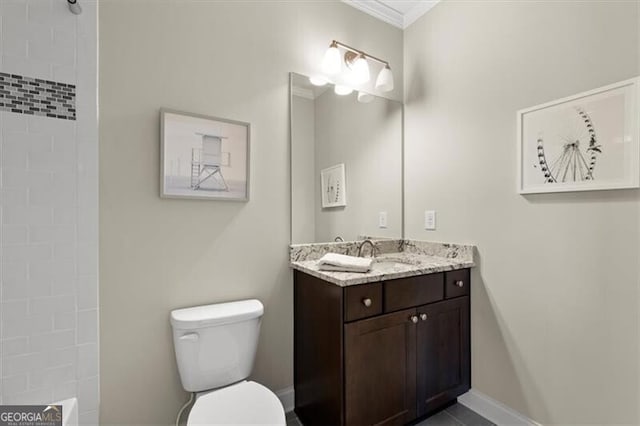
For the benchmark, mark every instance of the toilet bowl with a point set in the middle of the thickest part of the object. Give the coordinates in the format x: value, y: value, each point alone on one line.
x: 215, y: 348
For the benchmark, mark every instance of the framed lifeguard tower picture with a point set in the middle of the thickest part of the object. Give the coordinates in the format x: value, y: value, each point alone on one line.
x: 203, y: 157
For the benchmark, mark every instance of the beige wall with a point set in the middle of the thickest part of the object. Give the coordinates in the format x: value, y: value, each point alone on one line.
x: 555, y: 297
x: 226, y: 59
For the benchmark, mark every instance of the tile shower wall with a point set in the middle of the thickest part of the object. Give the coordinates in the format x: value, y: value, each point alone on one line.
x: 48, y: 204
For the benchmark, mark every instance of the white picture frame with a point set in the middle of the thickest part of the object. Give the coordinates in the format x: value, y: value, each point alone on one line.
x: 203, y: 157
x: 585, y: 142
x: 333, y: 187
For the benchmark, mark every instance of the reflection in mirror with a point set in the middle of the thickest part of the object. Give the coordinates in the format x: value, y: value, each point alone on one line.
x: 363, y: 133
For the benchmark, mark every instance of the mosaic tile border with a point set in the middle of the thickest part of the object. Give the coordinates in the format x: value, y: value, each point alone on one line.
x: 34, y: 96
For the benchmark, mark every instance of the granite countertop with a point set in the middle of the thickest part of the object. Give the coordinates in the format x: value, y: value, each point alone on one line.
x: 417, y: 258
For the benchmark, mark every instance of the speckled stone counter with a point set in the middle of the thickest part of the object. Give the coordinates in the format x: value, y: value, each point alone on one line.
x: 396, y: 259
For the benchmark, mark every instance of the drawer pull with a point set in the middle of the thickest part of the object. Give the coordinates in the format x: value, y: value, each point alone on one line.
x: 366, y: 302
x: 423, y: 317
x: 459, y: 283
x: 414, y: 319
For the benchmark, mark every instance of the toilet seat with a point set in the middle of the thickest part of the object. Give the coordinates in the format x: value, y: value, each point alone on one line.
x: 244, y: 403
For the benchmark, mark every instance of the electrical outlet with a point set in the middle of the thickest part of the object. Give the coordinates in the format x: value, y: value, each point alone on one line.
x: 382, y: 220
x: 430, y: 220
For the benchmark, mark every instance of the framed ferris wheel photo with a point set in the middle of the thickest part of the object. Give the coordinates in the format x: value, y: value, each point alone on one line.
x: 583, y: 142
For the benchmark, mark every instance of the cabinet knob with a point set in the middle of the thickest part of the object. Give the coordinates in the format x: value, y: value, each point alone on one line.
x: 459, y: 283
x: 366, y: 302
x: 423, y: 317
x: 414, y: 319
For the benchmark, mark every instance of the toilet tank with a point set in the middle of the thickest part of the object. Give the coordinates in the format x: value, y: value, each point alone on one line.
x: 216, y: 344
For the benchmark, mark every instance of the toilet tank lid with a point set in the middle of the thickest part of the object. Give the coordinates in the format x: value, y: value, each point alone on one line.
x: 216, y: 314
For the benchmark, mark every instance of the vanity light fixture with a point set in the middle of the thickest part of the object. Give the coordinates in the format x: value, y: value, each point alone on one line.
x: 342, y: 90
x: 364, y: 97
x: 318, y: 80
x: 357, y: 64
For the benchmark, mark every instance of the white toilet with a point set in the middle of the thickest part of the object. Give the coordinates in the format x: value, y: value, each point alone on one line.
x: 215, y: 349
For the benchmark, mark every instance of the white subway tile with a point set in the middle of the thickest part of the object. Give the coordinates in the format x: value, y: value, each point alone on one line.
x: 53, y: 304
x: 22, y: 178
x: 28, y: 67
x: 64, y: 321
x: 87, y: 259
x: 20, y: 215
x: 14, y: 385
x: 39, y: 11
x: 67, y: 390
x: 52, y: 270
x: 53, y: 340
x: 64, y: 356
x: 52, y: 234
x: 14, y: 196
x: 53, y: 127
x: 15, y: 346
x: 13, y: 234
x: 64, y: 286
x: 65, y: 215
x: 14, y: 271
x: 87, y: 361
x: 64, y: 251
x: 14, y: 36
x: 14, y: 290
x: 27, y: 253
x: 88, y: 394
x: 88, y: 292
x: 30, y: 397
x: 29, y: 141
x: 51, y: 376
x: 88, y: 326
x: 13, y: 365
x: 13, y: 122
x: 14, y: 156
x: 88, y: 418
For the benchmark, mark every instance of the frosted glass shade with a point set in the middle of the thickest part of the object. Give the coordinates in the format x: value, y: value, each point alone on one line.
x: 384, y: 82
x: 332, y: 62
x: 359, y: 73
x: 318, y: 80
x: 364, y: 98
x: 342, y: 90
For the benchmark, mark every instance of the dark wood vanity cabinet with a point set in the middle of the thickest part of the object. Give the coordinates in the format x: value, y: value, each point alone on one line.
x: 384, y: 353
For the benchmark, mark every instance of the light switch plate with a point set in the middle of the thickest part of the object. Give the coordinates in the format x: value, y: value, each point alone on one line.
x: 430, y: 220
x: 382, y: 220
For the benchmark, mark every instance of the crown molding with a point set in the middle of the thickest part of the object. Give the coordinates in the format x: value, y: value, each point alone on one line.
x: 381, y: 11
x: 417, y: 11
x: 378, y: 10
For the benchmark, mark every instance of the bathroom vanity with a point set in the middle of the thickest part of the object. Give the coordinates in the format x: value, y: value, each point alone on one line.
x: 386, y: 347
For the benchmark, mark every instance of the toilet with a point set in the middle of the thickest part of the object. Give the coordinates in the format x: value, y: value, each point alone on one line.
x: 215, y: 348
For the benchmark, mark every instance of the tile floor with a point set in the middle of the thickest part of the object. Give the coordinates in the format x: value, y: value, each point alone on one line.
x: 455, y: 415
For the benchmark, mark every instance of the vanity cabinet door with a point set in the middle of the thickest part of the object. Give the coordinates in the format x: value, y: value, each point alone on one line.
x: 380, y: 369
x: 443, y: 353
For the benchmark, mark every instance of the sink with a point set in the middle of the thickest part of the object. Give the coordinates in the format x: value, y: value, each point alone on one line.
x: 395, y: 260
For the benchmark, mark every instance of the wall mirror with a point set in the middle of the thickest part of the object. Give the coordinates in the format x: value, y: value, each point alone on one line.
x: 346, y: 164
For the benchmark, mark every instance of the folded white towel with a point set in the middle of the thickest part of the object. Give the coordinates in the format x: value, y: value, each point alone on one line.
x: 341, y: 262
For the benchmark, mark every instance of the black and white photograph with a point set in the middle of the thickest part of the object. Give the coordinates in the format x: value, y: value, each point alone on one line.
x: 204, y: 157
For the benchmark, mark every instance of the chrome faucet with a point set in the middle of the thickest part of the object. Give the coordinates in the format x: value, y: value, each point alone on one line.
x: 338, y: 239
x: 373, y: 247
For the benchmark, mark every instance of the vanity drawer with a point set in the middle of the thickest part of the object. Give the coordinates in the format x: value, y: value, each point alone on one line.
x: 405, y: 293
x: 456, y: 283
x: 362, y: 301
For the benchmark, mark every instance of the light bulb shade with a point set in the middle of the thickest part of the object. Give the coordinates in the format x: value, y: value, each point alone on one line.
x: 318, y: 80
x: 342, y: 90
x: 359, y: 71
x: 332, y: 62
x: 384, y: 82
x: 364, y: 97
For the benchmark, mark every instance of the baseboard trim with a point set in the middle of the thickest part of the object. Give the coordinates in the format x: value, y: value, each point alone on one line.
x: 286, y: 397
x: 494, y: 410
